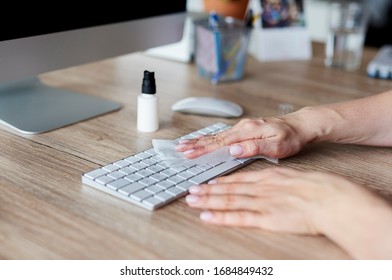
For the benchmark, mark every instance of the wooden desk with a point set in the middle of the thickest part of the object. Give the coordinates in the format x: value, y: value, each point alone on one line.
x: 46, y: 213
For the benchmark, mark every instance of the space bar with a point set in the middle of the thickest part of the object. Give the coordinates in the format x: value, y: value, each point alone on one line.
x: 217, y: 170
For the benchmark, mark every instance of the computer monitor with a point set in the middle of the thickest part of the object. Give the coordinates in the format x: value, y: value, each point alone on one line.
x: 48, y: 38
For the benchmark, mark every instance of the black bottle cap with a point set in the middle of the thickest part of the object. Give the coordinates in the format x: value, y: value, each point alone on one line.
x: 148, y: 85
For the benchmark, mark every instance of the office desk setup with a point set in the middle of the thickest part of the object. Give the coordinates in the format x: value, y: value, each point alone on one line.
x: 47, y: 213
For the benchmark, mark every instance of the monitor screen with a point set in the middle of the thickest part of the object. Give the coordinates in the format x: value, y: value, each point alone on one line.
x: 52, y: 38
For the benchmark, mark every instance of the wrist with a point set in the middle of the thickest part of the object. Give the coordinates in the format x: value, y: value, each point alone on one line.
x: 358, y: 220
x: 315, y: 124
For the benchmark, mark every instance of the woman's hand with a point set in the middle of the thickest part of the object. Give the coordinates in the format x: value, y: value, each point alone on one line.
x: 288, y: 200
x: 272, y: 137
x: 277, y: 199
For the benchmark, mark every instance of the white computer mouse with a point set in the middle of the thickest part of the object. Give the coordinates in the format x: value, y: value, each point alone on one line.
x: 208, y: 106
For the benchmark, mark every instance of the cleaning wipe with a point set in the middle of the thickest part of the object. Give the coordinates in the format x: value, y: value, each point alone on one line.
x: 166, y: 150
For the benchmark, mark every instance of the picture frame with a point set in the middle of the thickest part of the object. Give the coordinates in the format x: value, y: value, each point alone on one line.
x: 279, y: 31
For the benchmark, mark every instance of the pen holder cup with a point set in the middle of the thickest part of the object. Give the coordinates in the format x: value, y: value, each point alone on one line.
x: 221, y: 51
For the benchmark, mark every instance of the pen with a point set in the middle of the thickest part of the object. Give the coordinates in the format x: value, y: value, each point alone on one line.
x: 248, y: 20
x: 213, y: 20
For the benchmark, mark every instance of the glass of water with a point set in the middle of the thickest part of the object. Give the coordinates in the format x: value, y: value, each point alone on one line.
x: 346, y: 34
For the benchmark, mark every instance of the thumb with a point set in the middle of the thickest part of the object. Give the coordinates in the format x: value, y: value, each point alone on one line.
x: 250, y: 148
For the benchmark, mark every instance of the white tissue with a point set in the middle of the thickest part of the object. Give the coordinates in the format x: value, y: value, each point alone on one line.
x: 166, y: 150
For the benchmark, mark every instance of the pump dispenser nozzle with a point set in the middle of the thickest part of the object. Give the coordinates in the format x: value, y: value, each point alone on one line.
x: 148, y: 84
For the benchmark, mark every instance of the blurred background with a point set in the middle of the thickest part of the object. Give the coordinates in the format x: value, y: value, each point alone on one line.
x: 379, y: 30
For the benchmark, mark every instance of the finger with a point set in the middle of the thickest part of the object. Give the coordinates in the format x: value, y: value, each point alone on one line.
x: 243, y: 130
x: 262, y: 176
x: 254, y: 219
x: 232, y: 218
x: 248, y: 189
x: 197, y: 147
x: 254, y: 147
x: 224, y: 202
x: 243, y: 177
x: 270, y: 146
x: 246, y: 183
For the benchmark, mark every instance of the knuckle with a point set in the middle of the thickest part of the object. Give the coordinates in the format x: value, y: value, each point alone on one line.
x: 251, y: 147
x: 219, y: 140
x: 202, y: 149
x: 231, y: 199
x: 250, y: 124
x: 215, y: 139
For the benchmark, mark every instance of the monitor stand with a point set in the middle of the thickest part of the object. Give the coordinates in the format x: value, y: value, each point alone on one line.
x: 30, y: 107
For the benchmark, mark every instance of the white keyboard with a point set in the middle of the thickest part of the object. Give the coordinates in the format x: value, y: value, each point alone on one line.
x: 143, y: 179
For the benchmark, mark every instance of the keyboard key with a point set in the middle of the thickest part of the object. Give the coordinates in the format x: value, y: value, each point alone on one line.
x: 127, y: 170
x: 204, y: 167
x: 195, y: 170
x: 144, y: 172
x: 96, y: 173
x: 147, y: 181
x: 110, y: 167
x: 185, y: 185
x: 175, y: 191
x: 129, y: 189
x: 151, y: 152
x: 185, y: 175
x: 158, y: 177
x: 168, y: 172
x: 175, y: 179
x: 212, y: 173
x: 154, y: 189
x: 137, y: 166
x: 104, y: 180
x: 133, y: 177
x: 220, y: 126
x: 155, y: 168
x: 165, y: 184
x: 132, y: 159
x: 187, y: 137
x: 148, y: 162
x: 142, y: 155
x: 140, y: 195
x: 178, y: 168
x: 121, y: 163
x: 115, y: 185
x: 152, y: 202
x: 163, y: 196
x: 116, y: 174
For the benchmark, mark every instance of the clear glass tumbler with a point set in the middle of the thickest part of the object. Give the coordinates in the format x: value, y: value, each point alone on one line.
x: 346, y: 33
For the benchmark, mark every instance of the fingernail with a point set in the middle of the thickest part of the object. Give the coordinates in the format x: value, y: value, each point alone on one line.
x: 213, y: 181
x: 187, y: 152
x: 206, y: 216
x: 192, y: 199
x: 179, y: 147
x: 236, y: 150
x: 195, y: 189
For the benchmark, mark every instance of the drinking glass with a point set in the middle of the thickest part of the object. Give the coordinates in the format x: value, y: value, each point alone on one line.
x: 346, y: 34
